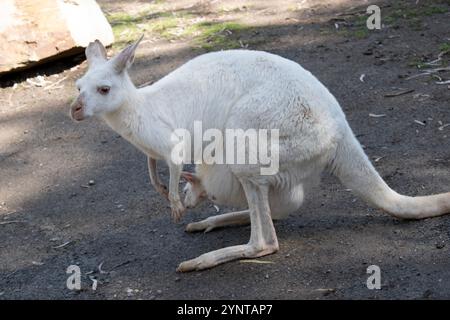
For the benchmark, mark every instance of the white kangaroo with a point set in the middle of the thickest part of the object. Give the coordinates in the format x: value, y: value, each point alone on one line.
x: 221, y: 186
x: 240, y: 89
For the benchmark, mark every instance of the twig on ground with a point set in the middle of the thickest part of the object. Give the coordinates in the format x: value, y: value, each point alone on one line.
x: 100, y: 270
x: 373, y: 115
x: 428, y: 72
x: 439, y: 58
x: 40, y: 81
x: 52, y: 86
x: 420, y: 122
x: 12, y: 221
x: 398, y: 93
x: 62, y: 245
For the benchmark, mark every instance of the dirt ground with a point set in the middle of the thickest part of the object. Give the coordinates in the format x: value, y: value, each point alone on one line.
x: 79, y: 194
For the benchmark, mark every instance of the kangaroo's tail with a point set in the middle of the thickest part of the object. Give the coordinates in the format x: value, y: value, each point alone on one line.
x: 355, y: 171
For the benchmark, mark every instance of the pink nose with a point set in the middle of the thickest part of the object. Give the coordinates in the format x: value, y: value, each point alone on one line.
x: 77, y: 110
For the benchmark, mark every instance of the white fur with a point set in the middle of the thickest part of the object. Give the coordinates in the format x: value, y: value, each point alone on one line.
x: 242, y: 89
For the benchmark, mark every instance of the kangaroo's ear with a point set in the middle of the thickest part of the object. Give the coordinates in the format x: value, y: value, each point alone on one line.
x: 95, y: 53
x: 190, y: 177
x: 124, y: 59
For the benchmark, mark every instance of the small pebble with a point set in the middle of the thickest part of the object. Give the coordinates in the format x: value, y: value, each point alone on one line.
x: 368, y: 52
x: 129, y: 292
x: 440, y: 245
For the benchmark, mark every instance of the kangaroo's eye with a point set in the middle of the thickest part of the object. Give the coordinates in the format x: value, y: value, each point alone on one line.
x: 103, y: 89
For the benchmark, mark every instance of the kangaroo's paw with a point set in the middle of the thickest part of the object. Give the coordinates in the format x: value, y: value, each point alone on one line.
x: 204, y: 225
x: 214, y: 258
x: 177, y: 210
x: 222, y: 220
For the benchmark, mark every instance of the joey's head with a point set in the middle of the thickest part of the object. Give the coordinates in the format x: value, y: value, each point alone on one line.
x: 194, y: 192
x: 106, y: 85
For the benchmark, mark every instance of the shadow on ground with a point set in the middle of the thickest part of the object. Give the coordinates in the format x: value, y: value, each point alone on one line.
x: 118, y: 230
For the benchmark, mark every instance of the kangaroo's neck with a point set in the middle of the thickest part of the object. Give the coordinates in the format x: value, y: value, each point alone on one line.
x: 123, y: 118
x: 140, y: 121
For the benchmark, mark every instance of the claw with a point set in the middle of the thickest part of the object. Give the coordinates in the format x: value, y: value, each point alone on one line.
x: 191, y: 227
x: 177, y: 211
x: 205, y: 226
x: 195, y: 227
x: 190, y: 265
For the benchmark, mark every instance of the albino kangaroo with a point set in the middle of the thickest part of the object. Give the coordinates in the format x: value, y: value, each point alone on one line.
x: 220, y: 185
x: 240, y: 89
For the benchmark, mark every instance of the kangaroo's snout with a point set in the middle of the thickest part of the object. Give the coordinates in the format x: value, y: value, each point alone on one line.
x: 77, y: 109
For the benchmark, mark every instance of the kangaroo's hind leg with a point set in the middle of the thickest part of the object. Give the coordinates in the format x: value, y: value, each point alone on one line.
x: 263, y: 239
x: 222, y: 220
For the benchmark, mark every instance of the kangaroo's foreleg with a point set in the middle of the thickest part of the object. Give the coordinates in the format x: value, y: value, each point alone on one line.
x: 154, y: 179
x: 176, y: 205
x: 263, y: 240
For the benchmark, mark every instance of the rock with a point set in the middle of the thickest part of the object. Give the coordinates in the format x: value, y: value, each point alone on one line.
x: 129, y: 292
x: 33, y: 32
x: 440, y: 245
x: 368, y: 52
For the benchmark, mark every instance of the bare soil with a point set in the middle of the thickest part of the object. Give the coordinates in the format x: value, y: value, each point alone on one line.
x: 79, y: 194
